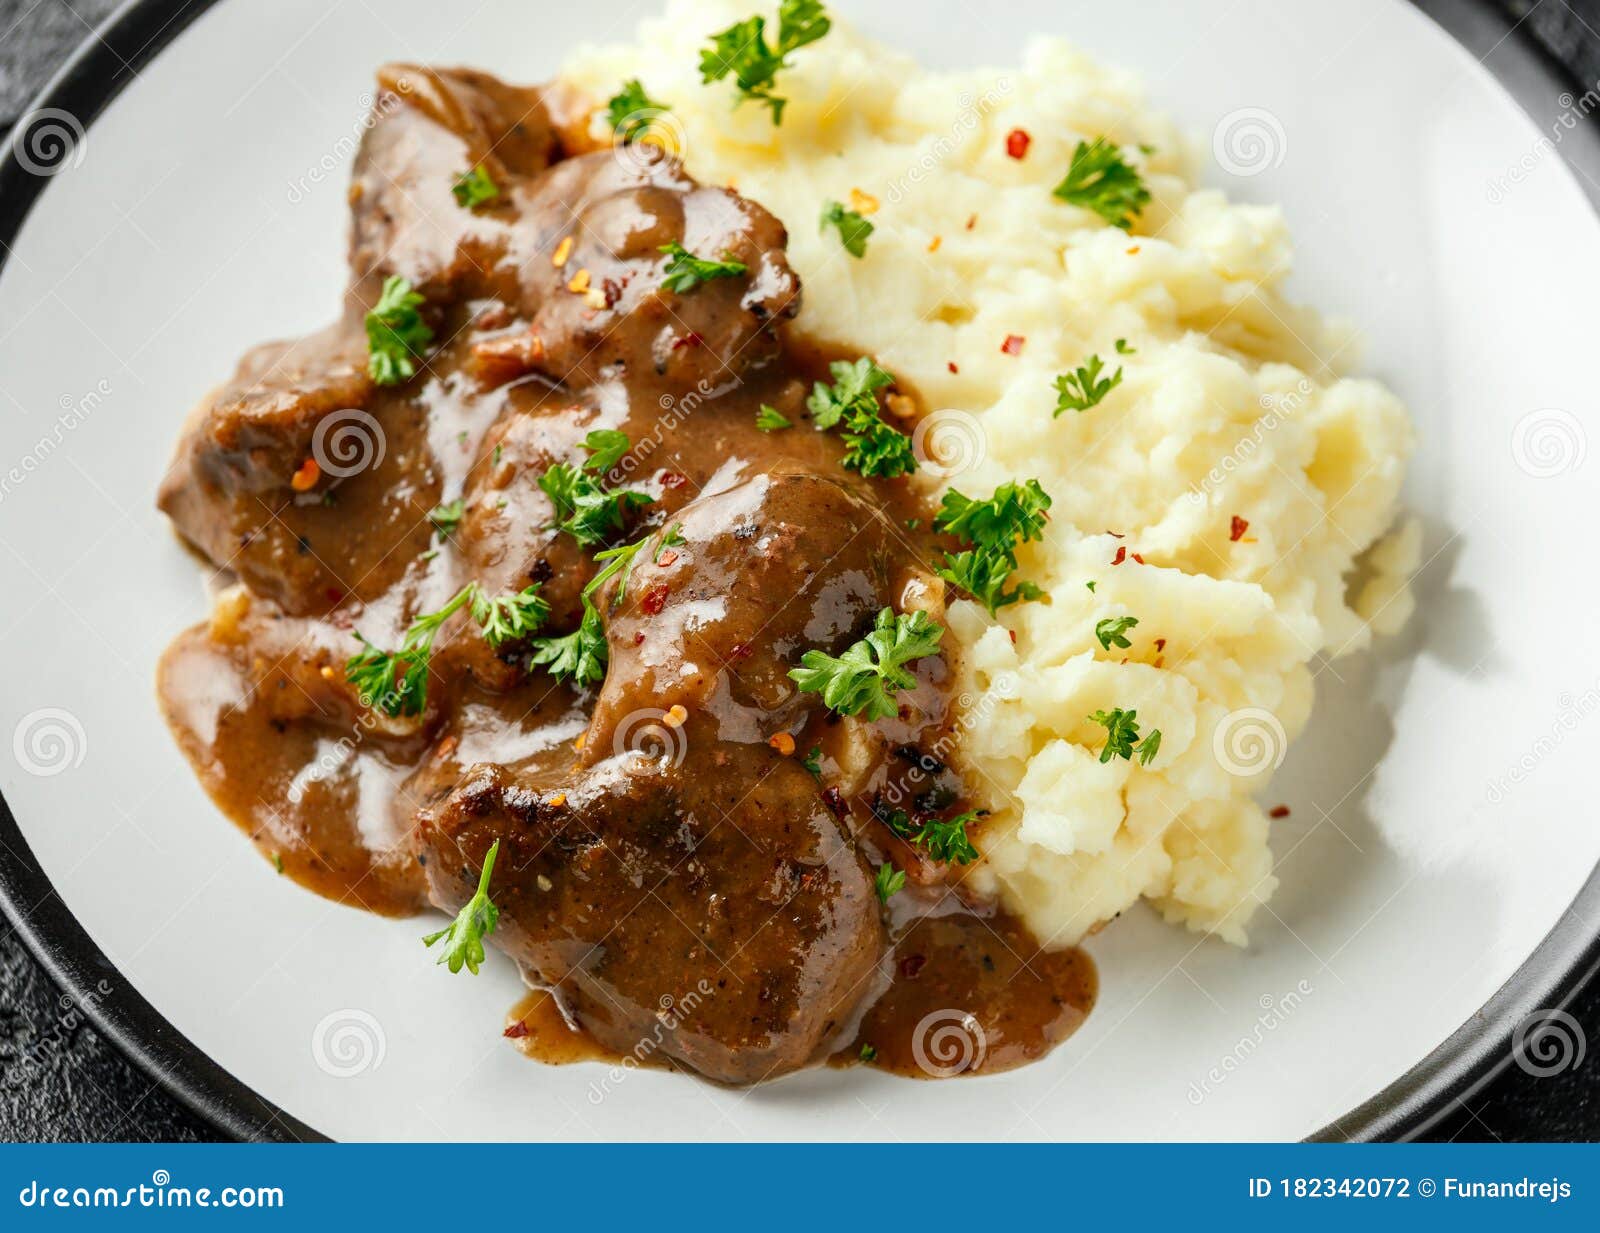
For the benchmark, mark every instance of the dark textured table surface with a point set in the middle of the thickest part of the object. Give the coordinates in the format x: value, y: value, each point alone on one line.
x: 58, y: 1083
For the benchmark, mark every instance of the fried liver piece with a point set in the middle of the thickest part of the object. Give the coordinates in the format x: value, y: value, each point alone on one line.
x: 640, y: 881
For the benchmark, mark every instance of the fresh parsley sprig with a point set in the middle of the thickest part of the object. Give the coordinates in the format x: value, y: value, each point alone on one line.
x: 396, y: 682
x: 631, y: 111
x: 865, y: 678
x: 1014, y: 514
x: 872, y: 447
x: 463, y: 937
x: 585, y: 509
x: 1099, y: 179
x: 474, y: 188
x: 853, y: 228
x: 685, y: 271
x: 396, y: 333
x: 944, y: 839
x: 1084, y: 387
x: 742, y: 51
x: 1122, y: 737
x: 507, y: 618
x: 582, y: 655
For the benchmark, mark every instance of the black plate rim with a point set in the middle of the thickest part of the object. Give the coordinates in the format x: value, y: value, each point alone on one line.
x: 95, y: 74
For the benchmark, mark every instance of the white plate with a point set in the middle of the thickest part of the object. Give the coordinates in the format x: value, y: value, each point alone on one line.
x: 1442, y: 796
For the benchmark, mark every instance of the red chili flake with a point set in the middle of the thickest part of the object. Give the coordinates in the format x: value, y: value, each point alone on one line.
x: 1013, y: 634
x: 334, y: 594
x: 834, y: 800
x: 953, y: 366
x: 1122, y: 555
x: 972, y: 222
x: 1017, y: 142
x: 516, y: 1030
x: 911, y: 965
x: 613, y: 290
x: 1161, y: 644
x: 1117, y: 534
x: 691, y: 339
x: 1278, y: 811
x: 655, y: 599
x: 638, y: 638
x: 668, y: 557
x: 672, y: 479
x: 1138, y: 558
x: 1237, y: 529
x: 1013, y: 344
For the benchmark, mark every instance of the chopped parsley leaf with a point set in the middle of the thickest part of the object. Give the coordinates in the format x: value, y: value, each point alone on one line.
x: 994, y: 527
x: 446, y: 518
x: 1122, y: 736
x: 853, y: 228
x: 868, y: 674
x: 475, y: 188
x: 889, y: 882
x: 1084, y: 387
x: 463, y: 937
x: 685, y: 271
x: 584, y: 508
x: 396, y: 682
x: 396, y: 333
x: 872, y: 447
x: 631, y: 111
x: 1110, y: 632
x: 813, y: 762
x: 946, y: 839
x: 1099, y: 179
x: 742, y: 51
x: 505, y: 618
x: 770, y: 419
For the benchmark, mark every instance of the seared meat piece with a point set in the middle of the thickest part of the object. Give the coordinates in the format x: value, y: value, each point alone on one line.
x: 603, y: 311
x: 250, y: 483
x: 639, y: 883
x: 772, y: 567
x: 430, y: 126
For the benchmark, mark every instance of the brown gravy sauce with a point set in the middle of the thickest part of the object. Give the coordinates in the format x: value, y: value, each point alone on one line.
x: 331, y: 797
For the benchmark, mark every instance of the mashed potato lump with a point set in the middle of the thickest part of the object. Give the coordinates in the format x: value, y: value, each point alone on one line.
x: 1233, y: 491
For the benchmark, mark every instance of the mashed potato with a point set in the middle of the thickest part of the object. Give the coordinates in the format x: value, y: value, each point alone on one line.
x: 1241, y: 482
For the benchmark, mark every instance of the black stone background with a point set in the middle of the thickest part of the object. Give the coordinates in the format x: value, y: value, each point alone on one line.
x: 75, y: 1086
